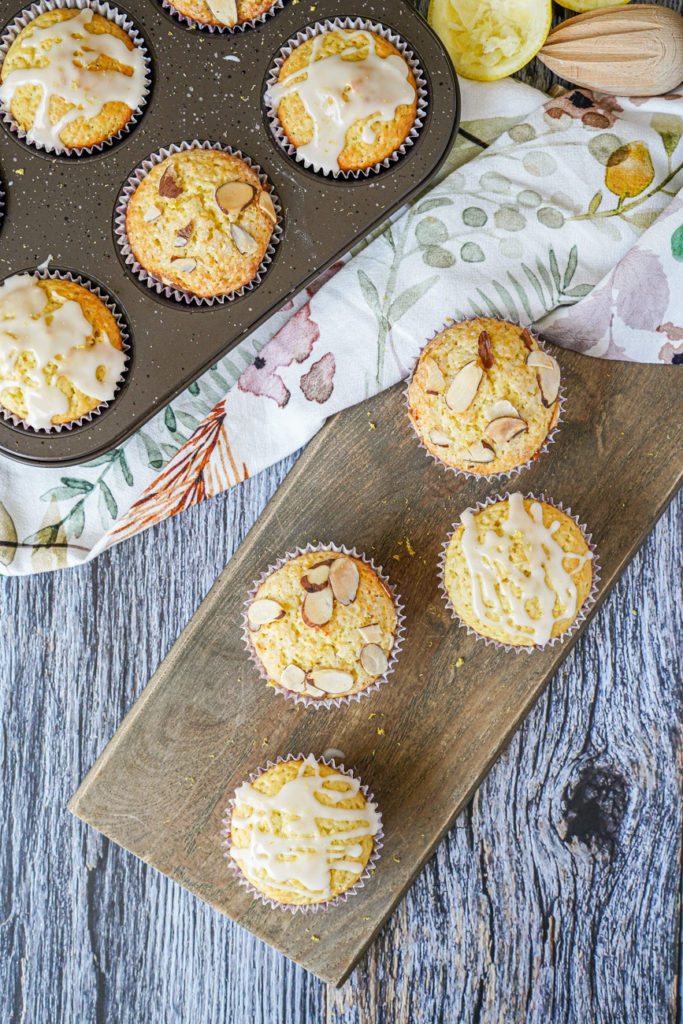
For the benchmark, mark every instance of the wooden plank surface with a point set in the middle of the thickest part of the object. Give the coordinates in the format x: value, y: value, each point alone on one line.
x: 424, y: 742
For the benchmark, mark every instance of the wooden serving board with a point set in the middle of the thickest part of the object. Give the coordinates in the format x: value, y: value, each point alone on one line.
x: 424, y: 742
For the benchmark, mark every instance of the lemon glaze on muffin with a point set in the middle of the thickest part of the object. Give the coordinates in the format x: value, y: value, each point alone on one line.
x: 346, y: 99
x: 302, y: 832
x: 323, y: 624
x: 222, y: 12
x: 518, y: 571
x: 484, y: 396
x: 201, y: 220
x: 72, y: 79
x: 60, y: 350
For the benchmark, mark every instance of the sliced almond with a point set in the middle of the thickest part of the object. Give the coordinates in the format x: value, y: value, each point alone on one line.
x: 233, y: 196
x: 485, y: 350
x: 463, y: 387
x: 548, y: 375
x: 501, y: 408
x: 293, y: 677
x: 480, y: 451
x: 504, y: 428
x: 331, y: 680
x: 540, y: 358
x: 374, y: 660
x: 266, y: 203
x: 312, y: 691
x: 434, y: 380
x: 317, y: 608
x: 152, y: 213
x: 183, y: 266
x: 263, y: 611
x: 224, y: 11
x: 183, y: 235
x: 527, y: 339
x: 169, y: 186
x: 316, y: 577
x: 372, y: 634
x: 438, y: 438
x: 344, y: 579
x: 247, y: 245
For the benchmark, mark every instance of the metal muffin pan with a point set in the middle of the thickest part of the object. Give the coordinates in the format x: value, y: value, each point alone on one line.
x: 63, y: 207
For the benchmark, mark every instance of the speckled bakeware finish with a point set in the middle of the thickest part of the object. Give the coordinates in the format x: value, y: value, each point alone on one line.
x: 329, y: 26
x: 304, y: 908
x: 328, y: 702
x: 113, y: 13
x: 506, y: 474
x: 585, y: 607
x: 192, y: 23
x: 46, y: 274
x: 65, y: 208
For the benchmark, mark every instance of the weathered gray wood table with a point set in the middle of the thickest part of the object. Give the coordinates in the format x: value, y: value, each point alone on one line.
x: 556, y: 897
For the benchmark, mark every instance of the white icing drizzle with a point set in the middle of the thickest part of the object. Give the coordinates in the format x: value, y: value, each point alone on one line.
x: 501, y: 588
x: 337, y: 92
x: 300, y: 862
x: 60, y: 338
x: 87, y: 91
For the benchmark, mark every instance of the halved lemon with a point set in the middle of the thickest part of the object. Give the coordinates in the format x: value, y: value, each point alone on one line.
x: 489, y: 39
x: 590, y: 5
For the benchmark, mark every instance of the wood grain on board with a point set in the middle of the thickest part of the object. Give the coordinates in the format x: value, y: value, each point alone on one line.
x: 424, y: 742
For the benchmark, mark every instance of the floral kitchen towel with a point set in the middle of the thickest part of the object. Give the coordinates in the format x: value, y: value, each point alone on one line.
x: 575, y: 204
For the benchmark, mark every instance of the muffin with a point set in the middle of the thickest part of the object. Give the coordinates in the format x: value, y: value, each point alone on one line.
x: 484, y: 397
x: 346, y: 99
x: 518, y: 571
x: 224, y: 13
x: 85, y: 96
x: 323, y: 624
x: 302, y: 832
x: 201, y: 220
x: 61, y: 351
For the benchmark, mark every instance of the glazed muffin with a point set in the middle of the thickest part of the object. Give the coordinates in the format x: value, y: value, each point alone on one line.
x: 346, y: 99
x: 322, y: 625
x: 225, y: 13
x: 68, y: 108
x: 61, y: 351
x: 201, y: 220
x: 518, y: 571
x: 302, y: 833
x: 484, y: 396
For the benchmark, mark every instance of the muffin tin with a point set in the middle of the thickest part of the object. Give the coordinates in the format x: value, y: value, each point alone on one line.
x: 62, y: 207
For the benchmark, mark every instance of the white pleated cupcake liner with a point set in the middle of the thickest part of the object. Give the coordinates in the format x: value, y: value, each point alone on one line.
x: 507, y: 473
x: 156, y: 283
x: 585, y: 607
x: 331, y: 25
x: 187, y: 22
x: 57, y: 275
x: 106, y: 10
x: 327, y: 702
x: 304, y: 908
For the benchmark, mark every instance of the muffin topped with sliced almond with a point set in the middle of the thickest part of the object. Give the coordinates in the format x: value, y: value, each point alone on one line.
x: 201, y: 221
x: 323, y: 625
x: 222, y: 13
x: 484, y: 396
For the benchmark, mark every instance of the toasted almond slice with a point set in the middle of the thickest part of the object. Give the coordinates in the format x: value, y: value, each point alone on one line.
x: 169, y: 187
x: 317, y: 607
x: 374, y: 660
x: 504, y: 428
x: 247, y: 245
x: 527, y: 339
x: 179, y: 242
x: 224, y: 11
x: 480, y: 451
x: 153, y: 213
x: 372, y: 634
x: 265, y: 201
x: 183, y: 266
x: 463, y: 387
x: 316, y: 577
x: 294, y: 678
x: 548, y: 378
x: 440, y: 439
x: 183, y: 235
x: 540, y: 358
x: 485, y: 349
x: 501, y: 408
x: 434, y: 380
x: 331, y: 680
x: 233, y: 196
x: 344, y: 579
x: 263, y: 611
x: 310, y: 690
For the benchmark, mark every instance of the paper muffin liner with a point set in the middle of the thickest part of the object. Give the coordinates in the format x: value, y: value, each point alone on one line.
x: 327, y: 702
x: 187, y: 22
x: 304, y: 908
x: 330, y: 25
x: 106, y: 10
x: 506, y: 473
x: 156, y: 283
x: 57, y: 275
x: 582, y: 612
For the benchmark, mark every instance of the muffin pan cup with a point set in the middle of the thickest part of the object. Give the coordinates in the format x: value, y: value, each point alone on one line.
x: 581, y: 614
x: 304, y: 908
x: 205, y: 86
x: 328, y: 702
x: 204, y: 26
